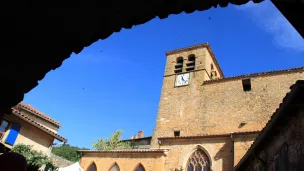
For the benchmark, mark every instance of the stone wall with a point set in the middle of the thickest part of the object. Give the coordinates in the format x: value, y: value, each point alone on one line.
x: 219, y: 107
x: 126, y: 162
x: 218, y: 149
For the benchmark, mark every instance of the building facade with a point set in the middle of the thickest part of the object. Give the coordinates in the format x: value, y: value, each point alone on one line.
x: 205, y: 121
x: 280, y: 145
x: 27, y: 125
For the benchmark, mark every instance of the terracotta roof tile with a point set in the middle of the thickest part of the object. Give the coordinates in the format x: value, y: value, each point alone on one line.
x: 126, y: 151
x: 41, y: 127
x: 38, y: 113
x: 260, y: 74
x: 209, y: 135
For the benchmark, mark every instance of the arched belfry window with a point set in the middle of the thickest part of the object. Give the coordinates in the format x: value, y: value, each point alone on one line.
x: 198, y: 161
x: 140, y: 167
x: 115, y: 167
x: 179, y: 65
x: 92, y: 167
x: 191, y: 63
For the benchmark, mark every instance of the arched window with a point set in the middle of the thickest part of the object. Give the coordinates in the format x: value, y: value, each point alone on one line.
x: 92, y: 167
x: 198, y: 161
x: 115, y: 167
x: 140, y: 167
x: 179, y: 65
x: 191, y: 63
x: 211, y: 66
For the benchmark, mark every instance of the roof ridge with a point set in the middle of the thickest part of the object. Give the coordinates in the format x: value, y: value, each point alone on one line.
x: 126, y: 150
x: 24, y: 117
x: 212, y: 135
x: 38, y: 113
x: 256, y: 74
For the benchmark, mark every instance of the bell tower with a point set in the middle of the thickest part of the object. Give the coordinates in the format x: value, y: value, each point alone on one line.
x: 186, y: 70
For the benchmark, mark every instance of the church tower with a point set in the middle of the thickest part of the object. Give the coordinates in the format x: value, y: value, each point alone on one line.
x: 186, y: 70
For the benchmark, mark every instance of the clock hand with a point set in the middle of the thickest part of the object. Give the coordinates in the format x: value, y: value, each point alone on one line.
x: 183, y: 79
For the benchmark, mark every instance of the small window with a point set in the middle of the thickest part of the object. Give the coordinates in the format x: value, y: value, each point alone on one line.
x: 215, y: 74
x: 176, y: 133
x: 211, y: 66
x: 179, y: 65
x: 4, y: 125
x: 246, y: 84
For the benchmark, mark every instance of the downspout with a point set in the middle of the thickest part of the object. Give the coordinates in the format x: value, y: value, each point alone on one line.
x: 232, y: 148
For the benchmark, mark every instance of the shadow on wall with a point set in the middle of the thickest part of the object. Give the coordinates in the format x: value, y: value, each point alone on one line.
x: 226, y: 155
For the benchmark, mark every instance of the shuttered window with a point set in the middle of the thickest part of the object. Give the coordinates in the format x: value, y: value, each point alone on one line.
x: 13, y: 133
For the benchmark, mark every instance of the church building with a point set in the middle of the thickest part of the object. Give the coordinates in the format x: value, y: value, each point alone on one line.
x: 205, y: 121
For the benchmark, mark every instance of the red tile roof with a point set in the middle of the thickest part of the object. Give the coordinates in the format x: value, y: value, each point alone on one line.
x: 160, y: 150
x: 209, y: 135
x: 38, y: 113
x: 41, y: 127
x: 260, y: 74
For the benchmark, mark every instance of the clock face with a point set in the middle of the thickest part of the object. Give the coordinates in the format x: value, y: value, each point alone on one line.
x: 182, y: 79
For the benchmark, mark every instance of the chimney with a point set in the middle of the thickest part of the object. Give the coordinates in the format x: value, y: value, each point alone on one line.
x: 140, y: 134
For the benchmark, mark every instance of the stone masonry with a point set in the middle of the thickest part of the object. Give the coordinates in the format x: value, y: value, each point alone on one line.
x: 207, y: 111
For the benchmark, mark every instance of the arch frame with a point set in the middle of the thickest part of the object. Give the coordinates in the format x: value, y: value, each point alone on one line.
x: 139, y: 164
x: 93, y: 162
x: 189, y: 153
x: 191, y: 56
x: 180, y: 58
x: 113, y: 164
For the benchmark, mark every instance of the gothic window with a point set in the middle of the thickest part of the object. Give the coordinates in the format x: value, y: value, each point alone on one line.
x: 191, y: 63
x: 198, y: 161
x: 140, y: 168
x: 179, y: 65
x: 115, y: 167
x: 92, y: 167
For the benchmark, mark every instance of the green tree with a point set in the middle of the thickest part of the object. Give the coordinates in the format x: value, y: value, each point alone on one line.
x: 112, y: 143
x: 68, y: 152
x: 34, y: 158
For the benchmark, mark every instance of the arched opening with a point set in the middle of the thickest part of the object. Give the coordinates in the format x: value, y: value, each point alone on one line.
x: 115, y: 167
x: 191, y: 63
x: 92, y: 167
x: 211, y: 66
x: 198, y: 161
x: 140, y: 167
x: 179, y: 65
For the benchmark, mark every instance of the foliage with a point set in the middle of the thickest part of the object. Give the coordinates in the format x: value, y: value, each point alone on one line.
x: 34, y: 158
x: 68, y: 152
x: 112, y: 143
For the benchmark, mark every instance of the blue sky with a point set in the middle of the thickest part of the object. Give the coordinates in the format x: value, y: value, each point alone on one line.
x: 116, y: 83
